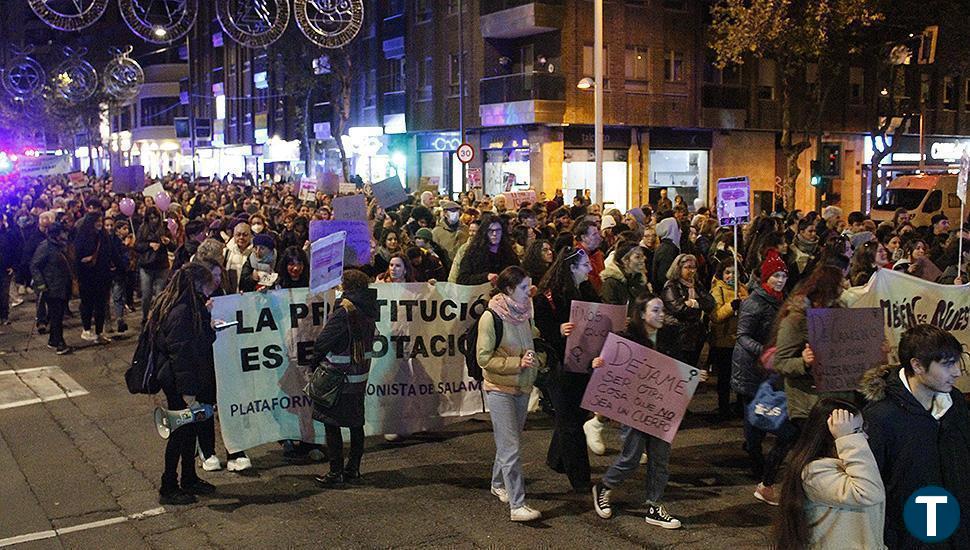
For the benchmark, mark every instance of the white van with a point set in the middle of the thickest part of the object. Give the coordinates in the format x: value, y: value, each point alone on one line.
x: 923, y: 195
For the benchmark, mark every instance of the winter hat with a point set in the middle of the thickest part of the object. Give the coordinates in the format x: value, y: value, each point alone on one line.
x: 638, y: 215
x: 424, y: 233
x: 450, y: 205
x: 608, y: 222
x: 861, y: 238
x: 667, y: 228
x: 264, y: 240
x: 772, y: 264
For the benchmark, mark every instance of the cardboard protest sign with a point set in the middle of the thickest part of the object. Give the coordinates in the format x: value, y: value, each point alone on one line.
x: 327, y: 261
x: 307, y: 191
x: 328, y: 182
x: 357, y: 248
x: 153, y: 190
x: 128, y: 179
x: 77, y: 178
x: 733, y: 200
x: 417, y: 377
x: 389, y: 193
x: 641, y: 388
x: 352, y: 207
x: 847, y: 343
x: 518, y: 198
x: 594, y: 322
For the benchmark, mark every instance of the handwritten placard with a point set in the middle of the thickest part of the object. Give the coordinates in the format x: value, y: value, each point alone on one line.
x: 641, y: 388
x: 594, y: 322
x: 352, y: 207
x: 152, y: 190
x: 846, y: 343
x: 519, y: 198
x: 357, y: 248
x: 307, y: 190
x: 389, y: 193
x: 327, y: 261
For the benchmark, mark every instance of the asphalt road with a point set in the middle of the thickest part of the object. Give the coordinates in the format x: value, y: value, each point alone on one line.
x: 81, y: 470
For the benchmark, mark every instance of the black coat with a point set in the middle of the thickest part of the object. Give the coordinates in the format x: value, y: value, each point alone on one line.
x: 913, y: 450
x: 106, y: 259
x: 10, y: 248
x: 184, y: 351
x: 51, y: 270
x: 473, y: 271
x: 335, y: 340
x: 662, y: 260
x: 755, y: 321
x: 685, y: 328
x: 552, y: 310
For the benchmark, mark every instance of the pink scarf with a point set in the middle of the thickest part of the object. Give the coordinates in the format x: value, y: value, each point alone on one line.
x: 510, y: 311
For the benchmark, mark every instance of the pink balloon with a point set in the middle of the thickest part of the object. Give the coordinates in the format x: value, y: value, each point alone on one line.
x: 163, y: 201
x: 173, y: 226
x: 127, y: 206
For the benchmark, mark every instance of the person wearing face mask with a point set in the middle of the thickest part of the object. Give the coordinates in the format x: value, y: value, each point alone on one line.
x: 180, y: 326
x: 450, y: 233
x: 566, y: 280
x: 51, y: 273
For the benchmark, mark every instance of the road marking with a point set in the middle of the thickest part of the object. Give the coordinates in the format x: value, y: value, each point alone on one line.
x: 36, y: 385
x: 51, y: 533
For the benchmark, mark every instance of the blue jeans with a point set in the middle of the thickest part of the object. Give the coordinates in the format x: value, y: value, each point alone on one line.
x: 118, y: 300
x: 658, y: 454
x: 152, y: 284
x: 508, y: 419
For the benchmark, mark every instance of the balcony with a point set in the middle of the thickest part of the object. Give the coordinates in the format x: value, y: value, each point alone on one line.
x: 517, y: 18
x: 524, y: 98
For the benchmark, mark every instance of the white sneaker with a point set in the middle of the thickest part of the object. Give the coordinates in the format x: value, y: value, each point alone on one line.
x: 524, y: 513
x: 16, y: 301
x: 393, y: 437
x: 593, y: 429
x: 88, y: 335
x: 501, y: 493
x: 239, y: 464
x: 212, y: 464
x: 534, y: 400
x: 102, y: 339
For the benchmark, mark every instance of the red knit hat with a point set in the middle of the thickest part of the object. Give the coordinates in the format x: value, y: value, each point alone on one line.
x: 772, y: 264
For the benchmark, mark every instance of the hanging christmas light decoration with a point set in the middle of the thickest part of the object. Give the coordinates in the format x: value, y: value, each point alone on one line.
x: 23, y: 76
x: 69, y: 15
x: 253, y: 23
x: 123, y: 76
x: 74, y: 80
x: 159, y: 21
x: 329, y: 23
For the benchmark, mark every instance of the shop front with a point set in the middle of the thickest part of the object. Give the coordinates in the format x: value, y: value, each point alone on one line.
x: 579, y: 165
x: 438, y: 165
x: 940, y: 154
x: 506, y: 156
x: 679, y: 162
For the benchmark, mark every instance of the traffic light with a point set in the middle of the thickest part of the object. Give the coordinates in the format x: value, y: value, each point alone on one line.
x: 832, y: 160
x: 817, y: 174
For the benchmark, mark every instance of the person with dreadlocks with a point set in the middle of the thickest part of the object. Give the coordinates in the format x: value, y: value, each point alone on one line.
x: 181, y: 327
x: 345, y: 343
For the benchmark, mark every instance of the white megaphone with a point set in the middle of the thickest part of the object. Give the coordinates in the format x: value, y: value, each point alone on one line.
x: 167, y: 421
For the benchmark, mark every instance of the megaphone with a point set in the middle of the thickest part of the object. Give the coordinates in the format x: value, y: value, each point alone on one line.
x: 167, y: 421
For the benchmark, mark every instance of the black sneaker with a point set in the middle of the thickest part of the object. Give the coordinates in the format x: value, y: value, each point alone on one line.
x: 42, y: 329
x: 331, y: 480
x: 122, y: 327
x: 63, y: 349
x: 601, y: 501
x: 352, y: 476
x: 176, y: 497
x: 199, y: 487
x: 657, y: 515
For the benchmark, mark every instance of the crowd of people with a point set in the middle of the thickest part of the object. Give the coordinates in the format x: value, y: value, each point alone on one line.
x: 736, y: 308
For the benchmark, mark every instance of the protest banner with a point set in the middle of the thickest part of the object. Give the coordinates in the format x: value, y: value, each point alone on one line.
x: 327, y: 261
x: 152, y: 190
x: 77, y: 178
x: 847, y: 343
x: 389, y: 193
x: 594, y: 322
x: 128, y: 179
x: 357, y: 248
x: 641, y: 388
x: 47, y: 165
x: 307, y: 190
x: 352, y: 207
x: 417, y: 377
x: 518, y: 198
x: 907, y: 301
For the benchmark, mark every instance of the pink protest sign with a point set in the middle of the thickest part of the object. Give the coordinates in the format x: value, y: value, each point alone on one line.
x: 641, y: 388
x: 519, y: 198
x: 846, y: 343
x: 594, y: 322
x: 352, y: 207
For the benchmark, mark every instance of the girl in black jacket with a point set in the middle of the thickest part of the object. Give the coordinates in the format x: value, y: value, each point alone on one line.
x: 566, y: 280
x: 181, y: 328
x: 489, y: 252
x: 153, y: 245
x: 95, y: 257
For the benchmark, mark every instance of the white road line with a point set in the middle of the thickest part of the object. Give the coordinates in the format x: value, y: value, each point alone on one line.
x: 22, y: 371
x: 36, y: 400
x: 49, y: 534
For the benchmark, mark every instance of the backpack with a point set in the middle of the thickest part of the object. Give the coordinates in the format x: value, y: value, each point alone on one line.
x: 768, y: 410
x: 471, y: 345
x: 142, y: 375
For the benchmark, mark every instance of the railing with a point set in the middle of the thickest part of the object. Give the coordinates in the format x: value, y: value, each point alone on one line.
x: 523, y: 87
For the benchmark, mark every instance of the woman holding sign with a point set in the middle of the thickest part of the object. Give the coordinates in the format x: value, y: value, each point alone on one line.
x: 646, y: 319
x: 685, y: 303
x: 509, y: 368
x: 566, y: 280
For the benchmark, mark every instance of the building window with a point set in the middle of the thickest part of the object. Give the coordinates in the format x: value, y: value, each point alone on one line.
x: 673, y: 66
x: 395, y: 76
x: 370, y: 89
x: 636, y: 69
x: 949, y: 93
x: 926, y: 90
x: 728, y: 76
x: 856, y: 85
x: 453, y: 72
x: 425, y: 78
x: 422, y: 11
x: 766, y: 80
x: 588, y: 65
x: 160, y: 111
x: 393, y: 8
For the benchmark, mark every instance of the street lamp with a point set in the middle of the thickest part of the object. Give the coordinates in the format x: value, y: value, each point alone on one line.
x: 598, y: 94
x: 586, y: 83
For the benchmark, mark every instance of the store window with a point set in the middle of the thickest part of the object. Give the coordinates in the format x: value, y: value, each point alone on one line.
x: 506, y: 169
x: 674, y: 66
x: 579, y: 174
x: 682, y: 173
x: 636, y: 69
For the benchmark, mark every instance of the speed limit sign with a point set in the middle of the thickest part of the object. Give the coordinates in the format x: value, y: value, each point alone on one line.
x: 465, y: 153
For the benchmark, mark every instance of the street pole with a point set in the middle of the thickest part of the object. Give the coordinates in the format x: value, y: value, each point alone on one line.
x: 598, y: 96
x: 922, y: 154
x: 461, y: 92
x: 188, y: 59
